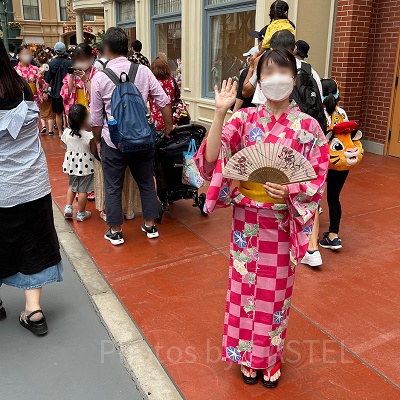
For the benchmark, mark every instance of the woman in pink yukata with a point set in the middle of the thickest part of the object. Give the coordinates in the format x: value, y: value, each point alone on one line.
x: 271, y: 223
x: 29, y: 72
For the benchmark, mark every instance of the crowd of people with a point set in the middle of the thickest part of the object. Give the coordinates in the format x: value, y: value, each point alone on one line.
x: 279, y: 99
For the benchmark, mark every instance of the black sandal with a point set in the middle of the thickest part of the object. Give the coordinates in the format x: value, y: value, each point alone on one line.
x: 37, y: 327
x: 3, y: 313
x: 268, y: 383
x: 249, y: 379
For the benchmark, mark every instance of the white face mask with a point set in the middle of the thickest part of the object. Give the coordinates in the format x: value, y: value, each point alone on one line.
x: 277, y: 87
x: 83, y: 66
x: 25, y: 59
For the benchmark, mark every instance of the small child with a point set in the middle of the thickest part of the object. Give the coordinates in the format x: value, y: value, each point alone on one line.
x: 278, y: 13
x: 78, y: 161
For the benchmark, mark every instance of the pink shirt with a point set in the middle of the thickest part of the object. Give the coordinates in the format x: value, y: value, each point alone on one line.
x: 102, y: 88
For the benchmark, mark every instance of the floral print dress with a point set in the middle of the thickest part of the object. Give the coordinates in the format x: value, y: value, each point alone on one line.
x: 268, y: 239
x: 169, y: 89
x: 32, y: 76
x: 78, y: 84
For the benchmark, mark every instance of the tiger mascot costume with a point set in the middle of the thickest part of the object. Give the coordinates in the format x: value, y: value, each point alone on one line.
x: 345, y: 148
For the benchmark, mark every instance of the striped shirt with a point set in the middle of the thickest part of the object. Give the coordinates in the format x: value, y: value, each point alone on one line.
x: 23, y: 168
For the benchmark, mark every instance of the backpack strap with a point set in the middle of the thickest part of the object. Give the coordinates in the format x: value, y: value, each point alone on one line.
x: 112, y: 75
x: 306, y: 67
x: 132, y: 72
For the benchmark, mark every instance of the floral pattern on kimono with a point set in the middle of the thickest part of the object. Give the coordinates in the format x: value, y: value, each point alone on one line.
x: 169, y: 89
x: 256, y: 125
x: 78, y: 83
x: 267, y: 240
x: 31, y: 75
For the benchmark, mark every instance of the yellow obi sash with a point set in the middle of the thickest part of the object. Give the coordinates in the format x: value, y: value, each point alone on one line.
x: 81, y: 98
x: 255, y: 191
x: 33, y: 88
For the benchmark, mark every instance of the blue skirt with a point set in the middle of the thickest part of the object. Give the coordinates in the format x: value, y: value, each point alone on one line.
x: 34, y: 281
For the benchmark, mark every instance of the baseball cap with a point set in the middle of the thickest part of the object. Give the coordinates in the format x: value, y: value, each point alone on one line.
x: 302, y: 48
x: 251, y: 52
x: 59, y: 48
x: 259, y: 34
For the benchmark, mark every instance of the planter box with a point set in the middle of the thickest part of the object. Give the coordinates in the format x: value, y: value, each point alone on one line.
x: 14, y: 32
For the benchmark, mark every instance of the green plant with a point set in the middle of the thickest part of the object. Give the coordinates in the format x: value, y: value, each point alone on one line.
x: 98, y: 39
x: 14, y: 25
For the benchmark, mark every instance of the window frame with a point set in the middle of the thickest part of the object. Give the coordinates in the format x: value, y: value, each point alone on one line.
x: 128, y: 23
x: 212, y: 10
x: 60, y: 8
x: 39, y: 11
x: 157, y: 19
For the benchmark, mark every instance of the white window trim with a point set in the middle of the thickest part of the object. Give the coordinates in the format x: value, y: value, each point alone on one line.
x: 39, y: 9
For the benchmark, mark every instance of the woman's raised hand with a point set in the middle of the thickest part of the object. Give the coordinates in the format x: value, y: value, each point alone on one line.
x: 227, y: 96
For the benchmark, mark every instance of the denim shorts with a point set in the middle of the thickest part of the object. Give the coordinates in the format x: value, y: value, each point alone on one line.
x: 34, y: 281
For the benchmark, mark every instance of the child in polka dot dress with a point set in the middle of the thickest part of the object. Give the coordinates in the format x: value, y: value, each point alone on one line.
x: 78, y: 161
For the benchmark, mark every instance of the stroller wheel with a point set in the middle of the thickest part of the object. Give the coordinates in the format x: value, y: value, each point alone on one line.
x: 160, y: 213
x: 202, y: 202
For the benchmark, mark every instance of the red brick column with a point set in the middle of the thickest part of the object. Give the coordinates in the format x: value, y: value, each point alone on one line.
x: 381, y: 58
x: 350, y: 52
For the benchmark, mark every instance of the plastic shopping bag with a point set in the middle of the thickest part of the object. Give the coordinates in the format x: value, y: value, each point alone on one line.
x: 190, y: 173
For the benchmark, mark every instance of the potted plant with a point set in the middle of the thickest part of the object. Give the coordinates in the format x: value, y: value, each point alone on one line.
x: 14, y: 29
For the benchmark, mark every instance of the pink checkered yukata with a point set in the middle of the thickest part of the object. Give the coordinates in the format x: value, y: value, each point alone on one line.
x: 268, y: 240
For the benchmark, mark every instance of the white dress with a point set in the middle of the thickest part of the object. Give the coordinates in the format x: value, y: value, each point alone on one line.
x: 78, y: 159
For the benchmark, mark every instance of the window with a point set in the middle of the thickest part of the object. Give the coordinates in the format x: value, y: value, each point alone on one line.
x: 167, y: 6
x: 126, y: 11
x: 88, y: 17
x: 167, y: 33
x: 227, y: 27
x: 63, y: 11
x: 31, y: 9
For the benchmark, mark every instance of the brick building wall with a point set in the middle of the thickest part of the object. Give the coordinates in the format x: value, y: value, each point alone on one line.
x: 366, y: 36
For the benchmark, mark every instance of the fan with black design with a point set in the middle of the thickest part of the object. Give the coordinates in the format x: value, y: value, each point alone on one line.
x: 269, y: 162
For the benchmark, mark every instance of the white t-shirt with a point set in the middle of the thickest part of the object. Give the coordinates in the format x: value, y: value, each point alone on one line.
x: 259, y: 98
x: 78, y: 159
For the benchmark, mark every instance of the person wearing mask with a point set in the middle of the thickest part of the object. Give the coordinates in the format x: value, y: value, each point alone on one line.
x: 29, y: 72
x: 100, y: 60
x: 270, y: 221
x: 46, y: 113
x: 58, y: 68
x: 29, y: 250
x: 137, y: 57
x: 11, y: 54
x: 114, y: 162
x: 76, y: 86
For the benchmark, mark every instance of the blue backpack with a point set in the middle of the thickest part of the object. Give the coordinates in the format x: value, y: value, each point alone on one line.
x: 131, y: 130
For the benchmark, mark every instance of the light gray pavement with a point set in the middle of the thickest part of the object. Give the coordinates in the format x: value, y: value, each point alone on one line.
x: 75, y: 360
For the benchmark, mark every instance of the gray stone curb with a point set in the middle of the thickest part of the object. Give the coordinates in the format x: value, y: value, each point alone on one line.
x: 143, y: 365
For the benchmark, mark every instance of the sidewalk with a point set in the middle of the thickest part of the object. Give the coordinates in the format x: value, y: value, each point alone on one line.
x: 343, y: 337
x: 75, y: 360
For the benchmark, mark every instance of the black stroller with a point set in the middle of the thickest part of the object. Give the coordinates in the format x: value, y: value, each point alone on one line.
x: 169, y: 165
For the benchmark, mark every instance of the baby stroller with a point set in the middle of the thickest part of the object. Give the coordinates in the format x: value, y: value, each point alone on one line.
x: 169, y: 165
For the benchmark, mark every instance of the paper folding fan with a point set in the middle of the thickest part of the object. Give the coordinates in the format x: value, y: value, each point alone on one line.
x: 269, y: 162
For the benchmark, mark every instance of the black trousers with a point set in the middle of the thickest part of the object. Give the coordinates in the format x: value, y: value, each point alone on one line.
x: 335, y: 182
x: 141, y: 164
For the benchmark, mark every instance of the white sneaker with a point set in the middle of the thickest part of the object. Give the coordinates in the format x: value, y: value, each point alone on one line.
x: 129, y: 216
x: 312, y: 259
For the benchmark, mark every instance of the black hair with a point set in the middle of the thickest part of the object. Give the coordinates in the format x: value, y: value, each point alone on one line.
x: 83, y: 49
x: 78, y: 114
x: 281, y: 57
x: 100, y: 48
x: 20, y: 48
x: 278, y: 10
x: 117, y: 41
x: 283, y: 39
x: 137, y: 45
x: 329, y: 88
x: 11, y: 47
x: 11, y: 84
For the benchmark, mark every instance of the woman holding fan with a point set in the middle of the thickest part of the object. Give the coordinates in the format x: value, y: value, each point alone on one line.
x: 271, y: 222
